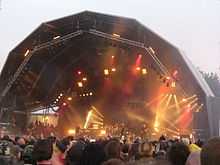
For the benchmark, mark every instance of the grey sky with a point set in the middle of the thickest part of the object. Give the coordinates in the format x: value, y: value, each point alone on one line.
x: 191, y: 25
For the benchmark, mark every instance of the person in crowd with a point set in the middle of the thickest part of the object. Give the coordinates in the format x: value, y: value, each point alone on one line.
x: 194, y: 158
x: 93, y: 154
x: 210, y: 153
x: 113, y: 149
x: 74, y: 154
x: 42, y: 152
x: 178, y: 153
x: 20, y: 141
x: 145, y: 152
x: 114, y: 162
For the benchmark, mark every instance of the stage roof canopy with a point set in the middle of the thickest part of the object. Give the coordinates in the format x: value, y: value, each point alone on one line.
x: 43, y: 65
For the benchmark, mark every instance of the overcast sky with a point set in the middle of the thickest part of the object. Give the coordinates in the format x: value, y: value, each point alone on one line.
x: 191, y: 25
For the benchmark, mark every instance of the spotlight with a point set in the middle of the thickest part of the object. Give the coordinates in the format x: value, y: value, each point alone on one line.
x: 173, y: 84
x: 59, y: 97
x: 106, y: 72
x: 71, y: 131
x: 113, y: 69
x: 84, y: 94
x: 103, y: 132
x: 80, y: 95
x: 61, y: 94
x: 64, y: 104
x: 69, y: 98
x: 168, y: 78
x: 56, y: 37
x: 80, y: 84
x: 138, y: 68
x: 184, y: 100
x: 87, y: 94
x: 26, y: 53
x: 84, y: 79
x: 144, y: 71
x: 54, y: 102
x: 116, y: 35
x: 113, y: 56
x: 57, y: 100
x: 90, y: 93
x: 79, y: 72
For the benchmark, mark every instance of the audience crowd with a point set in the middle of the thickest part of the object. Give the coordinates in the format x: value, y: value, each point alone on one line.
x: 30, y: 150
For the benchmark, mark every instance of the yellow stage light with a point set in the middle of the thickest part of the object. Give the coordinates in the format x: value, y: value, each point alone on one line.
x: 90, y: 93
x: 80, y: 84
x: 87, y: 94
x: 26, y: 53
x: 173, y: 84
x: 87, y: 119
x: 71, y: 131
x: 84, y: 95
x: 113, y: 69
x: 116, y: 35
x: 106, y: 72
x: 144, y: 71
x: 103, y: 132
x: 84, y: 79
x: 69, y: 98
x: 138, y: 68
x: 184, y: 100
x: 56, y: 37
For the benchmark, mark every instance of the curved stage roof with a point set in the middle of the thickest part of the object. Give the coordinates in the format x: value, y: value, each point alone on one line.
x: 42, y: 65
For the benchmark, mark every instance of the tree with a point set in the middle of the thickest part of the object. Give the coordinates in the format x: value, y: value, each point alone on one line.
x: 213, y: 81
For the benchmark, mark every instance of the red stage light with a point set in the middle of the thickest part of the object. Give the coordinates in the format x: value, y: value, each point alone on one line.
x: 79, y: 72
x: 64, y: 104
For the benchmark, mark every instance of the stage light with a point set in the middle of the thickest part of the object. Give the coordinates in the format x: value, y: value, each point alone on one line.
x: 173, y: 84
x: 113, y: 56
x: 59, y: 97
x: 102, y: 132
x: 71, y: 131
x: 84, y: 79
x: 106, y: 72
x: 26, y: 53
x: 87, y: 119
x: 57, y: 100
x: 168, y: 78
x: 151, y: 49
x: 87, y: 94
x: 69, y: 98
x: 80, y: 95
x: 90, y: 93
x: 184, y: 100
x: 113, y: 69
x: 79, y: 72
x: 54, y: 102
x: 138, y: 68
x: 64, y: 104
x: 80, y: 84
x: 116, y: 35
x: 56, y: 37
x: 84, y: 95
x: 61, y: 94
x: 144, y: 71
